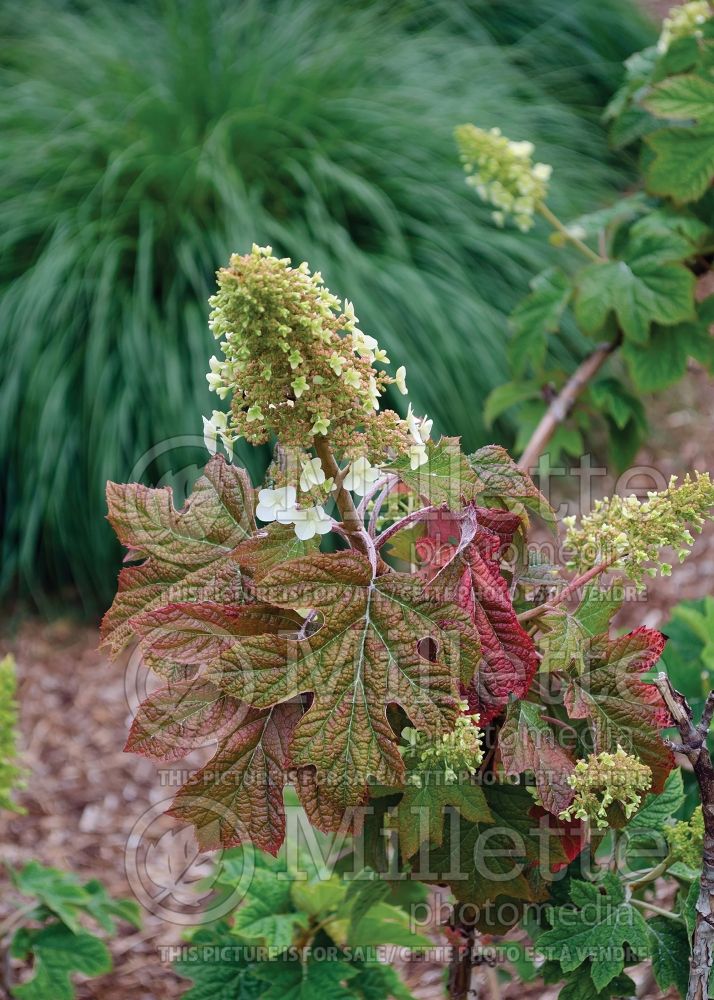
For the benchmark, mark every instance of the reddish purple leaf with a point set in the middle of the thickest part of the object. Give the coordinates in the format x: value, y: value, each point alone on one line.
x: 468, y: 573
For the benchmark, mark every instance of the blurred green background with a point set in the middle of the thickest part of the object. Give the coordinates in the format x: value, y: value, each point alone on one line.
x: 143, y: 142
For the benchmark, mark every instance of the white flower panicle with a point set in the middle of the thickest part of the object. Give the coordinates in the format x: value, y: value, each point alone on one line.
x: 298, y: 367
x: 682, y: 22
x: 503, y: 173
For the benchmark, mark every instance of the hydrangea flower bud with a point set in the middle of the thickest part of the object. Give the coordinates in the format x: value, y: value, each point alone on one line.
x: 450, y: 755
x: 296, y: 363
x: 604, y: 779
x: 686, y: 839
x: 633, y: 533
x: 682, y: 22
x: 503, y: 173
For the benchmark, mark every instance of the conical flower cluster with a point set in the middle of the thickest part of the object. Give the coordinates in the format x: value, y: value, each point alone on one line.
x: 296, y: 363
x: 682, y: 22
x: 503, y: 173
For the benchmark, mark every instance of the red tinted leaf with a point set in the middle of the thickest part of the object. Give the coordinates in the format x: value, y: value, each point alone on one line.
x: 528, y: 743
x: 319, y: 807
x: 620, y: 706
x: 177, y: 719
x: 238, y: 795
x: 200, y: 633
x: 186, y: 551
x: 469, y: 574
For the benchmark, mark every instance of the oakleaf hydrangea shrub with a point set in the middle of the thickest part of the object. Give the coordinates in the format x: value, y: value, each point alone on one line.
x: 362, y: 630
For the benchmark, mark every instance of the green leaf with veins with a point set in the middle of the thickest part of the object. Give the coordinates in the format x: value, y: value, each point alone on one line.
x: 419, y: 817
x: 320, y: 897
x: 360, y: 897
x: 597, y: 608
x: 663, y: 360
x: 689, y: 906
x: 57, y: 953
x: 58, y: 891
x: 612, y: 398
x: 536, y: 316
x: 580, y: 986
x: 106, y: 911
x: 296, y: 980
x: 657, y: 809
x: 505, y: 856
x: 562, y: 643
x: 683, y: 164
x: 639, y: 290
x: 233, y: 978
x: 682, y: 98
x: 370, y: 651
x: 268, y: 914
x: 669, y: 943
x: 445, y: 478
x: 598, y: 926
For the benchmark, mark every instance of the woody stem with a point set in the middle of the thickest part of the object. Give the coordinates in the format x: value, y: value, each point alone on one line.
x: 351, y: 521
x: 572, y: 588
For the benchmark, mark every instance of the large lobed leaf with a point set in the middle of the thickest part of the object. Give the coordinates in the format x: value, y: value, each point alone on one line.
x: 186, y: 553
x: 372, y: 649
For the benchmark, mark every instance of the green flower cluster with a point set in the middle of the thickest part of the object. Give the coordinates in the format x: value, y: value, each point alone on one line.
x: 296, y: 363
x: 11, y: 774
x: 503, y: 173
x: 604, y: 779
x: 451, y: 755
x: 686, y: 839
x: 682, y: 22
x: 633, y: 533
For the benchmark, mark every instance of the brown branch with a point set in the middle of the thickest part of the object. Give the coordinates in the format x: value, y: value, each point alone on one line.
x: 572, y: 588
x: 563, y: 404
x: 462, y: 960
x: 351, y: 521
x: 694, y: 747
